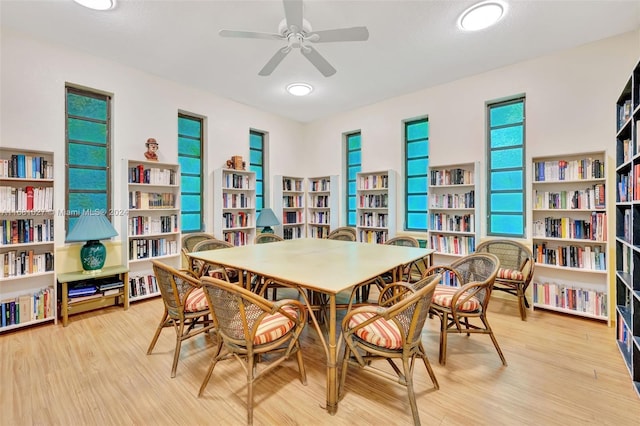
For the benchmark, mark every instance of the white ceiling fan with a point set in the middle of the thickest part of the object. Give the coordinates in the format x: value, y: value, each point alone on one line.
x: 296, y: 31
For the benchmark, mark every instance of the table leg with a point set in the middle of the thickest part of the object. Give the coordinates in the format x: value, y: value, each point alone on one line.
x: 125, y: 281
x: 65, y: 304
x: 332, y: 370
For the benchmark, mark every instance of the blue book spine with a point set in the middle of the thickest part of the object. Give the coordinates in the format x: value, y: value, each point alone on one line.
x: 22, y: 173
x: 4, y: 314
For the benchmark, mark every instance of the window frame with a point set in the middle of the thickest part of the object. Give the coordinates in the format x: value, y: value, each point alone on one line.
x: 347, y: 166
x: 201, y: 176
x: 263, y: 167
x: 407, y: 176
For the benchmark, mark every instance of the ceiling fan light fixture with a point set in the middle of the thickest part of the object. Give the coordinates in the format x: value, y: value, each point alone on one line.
x: 299, y: 89
x: 97, y: 4
x: 481, y: 15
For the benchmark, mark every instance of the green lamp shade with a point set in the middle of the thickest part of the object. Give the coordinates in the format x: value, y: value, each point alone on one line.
x: 267, y: 219
x: 92, y: 226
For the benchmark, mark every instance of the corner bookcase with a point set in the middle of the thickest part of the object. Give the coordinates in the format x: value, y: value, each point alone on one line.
x: 322, y: 206
x: 151, y: 230
x: 234, y: 206
x: 376, y: 206
x: 570, y: 235
x: 453, y: 221
x: 289, y: 206
x: 627, y: 238
x: 27, y: 278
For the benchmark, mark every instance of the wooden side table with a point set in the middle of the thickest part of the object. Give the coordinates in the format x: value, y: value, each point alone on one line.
x: 122, y: 272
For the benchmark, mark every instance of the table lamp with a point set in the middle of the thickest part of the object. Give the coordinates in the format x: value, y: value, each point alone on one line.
x: 92, y: 226
x: 267, y: 219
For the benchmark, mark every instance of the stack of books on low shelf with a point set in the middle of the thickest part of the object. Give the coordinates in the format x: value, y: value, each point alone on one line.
x: 83, y: 291
x: 110, y: 287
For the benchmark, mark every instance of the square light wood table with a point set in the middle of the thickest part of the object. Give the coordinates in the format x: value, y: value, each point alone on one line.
x: 320, y: 265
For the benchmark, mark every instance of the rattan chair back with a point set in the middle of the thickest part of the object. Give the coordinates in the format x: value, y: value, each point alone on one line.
x: 265, y: 237
x: 349, y: 229
x: 342, y: 236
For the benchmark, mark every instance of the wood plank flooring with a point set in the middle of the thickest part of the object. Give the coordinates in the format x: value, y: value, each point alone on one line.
x: 562, y: 371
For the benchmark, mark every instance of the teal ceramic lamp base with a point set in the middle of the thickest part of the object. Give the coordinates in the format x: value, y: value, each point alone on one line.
x: 267, y: 230
x: 92, y: 255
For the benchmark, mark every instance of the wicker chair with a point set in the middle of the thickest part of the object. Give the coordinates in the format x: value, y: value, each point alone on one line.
x: 349, y: 229
x: 390, y: 330
x: 516, y: 269
x: 189, y: 241
x: 204, y: 268
x: 342, y: 236
x: 265, y: 237
x: 467, y: 295
x: 185, y: 307
x: 250, y: 327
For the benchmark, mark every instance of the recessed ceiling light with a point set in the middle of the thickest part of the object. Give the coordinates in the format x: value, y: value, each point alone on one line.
x: 97, y: 4
x: 481, y: 15
x: 299, y: 89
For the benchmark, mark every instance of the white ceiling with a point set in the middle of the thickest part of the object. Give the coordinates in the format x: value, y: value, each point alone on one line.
x: 412, y: 44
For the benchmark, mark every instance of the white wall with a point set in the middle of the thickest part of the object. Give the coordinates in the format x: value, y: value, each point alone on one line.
x: 570, y: 107
x: 32, y: 100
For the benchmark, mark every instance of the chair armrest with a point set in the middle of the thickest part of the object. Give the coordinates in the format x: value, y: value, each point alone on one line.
x: 279, y: 306
x: 379, y: 311
x: 393, y: 292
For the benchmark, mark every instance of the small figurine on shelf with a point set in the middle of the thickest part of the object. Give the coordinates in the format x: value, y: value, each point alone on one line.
x: 236, y: 163
x: 152, y: 148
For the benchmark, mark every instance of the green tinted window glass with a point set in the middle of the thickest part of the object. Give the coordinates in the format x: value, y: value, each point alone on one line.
x: 507, y: 136
x: 87, y: 131
x: 506, y: 113
x: 353, y: 167
x: 190, y: 141
x: 507, y: 202
x: 86, y: 106
x: 190, y: 147
x: 87, y: 155
x: 506, y: 158
x: 507, y: 225
x: 416, y: 169
x: 511, y: 180
x: 417, y: 220
x: 190, y: 126
x: 417, y: 202
x: 418, y: 149
x: 87, y: 179
x: 87, y: 201
x: 190, y: 222
x: 257, y: 165
x: 191, y: 203
x: 190, y: 165
x: 190, y: 184
x: 417, y: 130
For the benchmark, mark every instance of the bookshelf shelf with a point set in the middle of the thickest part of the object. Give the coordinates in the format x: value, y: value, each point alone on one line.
x: 322, y: 206
x: 27, y: 220
x: 376, y: 206
x: 627, y: 229
x: 570, y: 235
x: 453, y: 220
x: 289, y: 206
x: 152, y: 225
x: 234, y: 212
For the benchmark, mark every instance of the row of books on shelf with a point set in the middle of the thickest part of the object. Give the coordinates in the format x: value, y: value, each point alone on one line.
x: 563, y: 170
x: 22, y: 231
x: 625, y: 336
x: 453, y: 244
x: 236, y: 220
x: 320, y: 185
x: 27, y: 307
x: 452, y: 222
x: 152, y: 175
x: 322, y: 218
x: 566, y: 296
x: 292, y: 217
x: 236, y: 181
x: 373, y: 201
x: 320, y: 201
x: 371, y: 236
x: 628, y: 148
x: 145, y: 225
x: 237, y: 238
x: 24, y: 166
x: 629, y: 185
x: 624, y: 112
x: 151, y: 200
x: 293, y: 232
x: 146, y: 248
x: 594, y: 229
x: 593, y: 197
x: 452, y: 201
x: 625, y: 256
x: 373, y: 182
x: 26, y: 199
x: 291, y: 185
x: 627, y: 225
x: 572, y: 256
x: 292, y: 201
x: 318, y: 231
x: 377, y: 220
x: 456, y: 176
x: 236, y: 201
x: 94, y: 289
x: 21, y: 263
x: 142, y: 285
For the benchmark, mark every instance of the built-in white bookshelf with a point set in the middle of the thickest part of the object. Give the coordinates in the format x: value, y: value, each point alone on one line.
x: 453, y: 219
x: 570, y: 235
x: 151, y: 228
x: 376, y: 206
x: 289, y: 206
x: 322, y: 206
x: 28, y: 290
x: 234, y: 206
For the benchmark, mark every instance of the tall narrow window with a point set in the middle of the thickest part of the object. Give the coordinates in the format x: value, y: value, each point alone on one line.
x: 506, y: 179
x: 88, y: 153
x: 190, y: 135
x: 256, y: 164
x: 353, y: 167
x: 416, y: 133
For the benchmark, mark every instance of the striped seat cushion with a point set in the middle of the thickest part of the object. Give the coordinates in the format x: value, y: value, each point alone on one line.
x: 381, y: 332
x: 272, y: 327
x: 444, y: 293
x: 196, y: 301
x: 510, y: 274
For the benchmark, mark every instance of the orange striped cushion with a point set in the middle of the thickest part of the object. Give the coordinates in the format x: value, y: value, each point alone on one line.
x: 273, y: 327
x: 196, y: 301
x: 510, y: 274
x: 381, y: 332
x: 444, y: 293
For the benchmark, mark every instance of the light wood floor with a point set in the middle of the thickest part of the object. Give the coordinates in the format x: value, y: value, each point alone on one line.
x: 562, y: 371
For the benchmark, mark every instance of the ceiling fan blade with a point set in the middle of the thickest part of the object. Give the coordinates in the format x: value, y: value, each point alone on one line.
x: 341, y: 34
x: 318, y: 61
x: 293, y: 13
x: 250, y: 34
x: 274, y: 61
